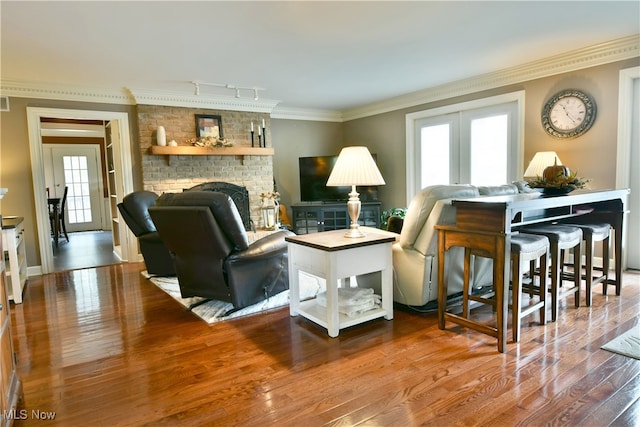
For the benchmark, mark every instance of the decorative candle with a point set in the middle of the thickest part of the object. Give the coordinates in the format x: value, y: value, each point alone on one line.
x: 251, y: 126
x: 263, y: 123
x: 259, y: 131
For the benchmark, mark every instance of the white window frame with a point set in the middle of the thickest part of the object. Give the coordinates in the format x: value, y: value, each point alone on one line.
x: 412, y: 150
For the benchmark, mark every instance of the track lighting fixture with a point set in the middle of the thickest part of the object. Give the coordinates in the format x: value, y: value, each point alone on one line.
x: 237, y: 89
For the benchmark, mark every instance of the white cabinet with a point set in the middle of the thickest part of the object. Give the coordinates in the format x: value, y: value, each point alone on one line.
x: 15, y: 256
x: 10, y: 385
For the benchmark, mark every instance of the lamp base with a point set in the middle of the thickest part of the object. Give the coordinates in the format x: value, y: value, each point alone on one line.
x: 354, y: 231
x: 353, y: 207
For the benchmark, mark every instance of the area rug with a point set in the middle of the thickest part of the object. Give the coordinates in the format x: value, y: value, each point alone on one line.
x: 215, y: 311
x: 627, y: 344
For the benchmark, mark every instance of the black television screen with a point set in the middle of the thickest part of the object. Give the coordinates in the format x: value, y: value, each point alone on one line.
x: 314, y: 173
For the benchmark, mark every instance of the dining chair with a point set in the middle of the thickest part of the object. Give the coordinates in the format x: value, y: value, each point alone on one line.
x: 61, y: 225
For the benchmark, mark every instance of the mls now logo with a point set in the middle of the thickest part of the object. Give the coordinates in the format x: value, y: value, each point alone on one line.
x: 23, y: 414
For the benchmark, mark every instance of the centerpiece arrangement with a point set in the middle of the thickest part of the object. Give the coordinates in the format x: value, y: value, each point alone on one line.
x: 557, y: 179
x: 209, y: 142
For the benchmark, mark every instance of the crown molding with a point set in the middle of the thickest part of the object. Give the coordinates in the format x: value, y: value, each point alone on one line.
x: 24, y: 89
x: 292, y: 113
x: 180, y: 99
x: 600, y: 54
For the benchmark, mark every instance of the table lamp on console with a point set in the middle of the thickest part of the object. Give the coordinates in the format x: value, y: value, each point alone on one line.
x: 355, y: 166
x: 541, y: 160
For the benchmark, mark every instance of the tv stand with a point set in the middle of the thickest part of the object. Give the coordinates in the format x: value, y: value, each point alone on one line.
x: 324, y: 216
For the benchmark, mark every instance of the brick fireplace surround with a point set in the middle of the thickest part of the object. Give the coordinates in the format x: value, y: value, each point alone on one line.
x: 162, y: 174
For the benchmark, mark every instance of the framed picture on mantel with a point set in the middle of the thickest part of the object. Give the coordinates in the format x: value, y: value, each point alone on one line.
x: 207, y: 125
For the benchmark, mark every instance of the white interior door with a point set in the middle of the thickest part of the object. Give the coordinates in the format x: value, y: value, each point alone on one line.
x: 77, y: 167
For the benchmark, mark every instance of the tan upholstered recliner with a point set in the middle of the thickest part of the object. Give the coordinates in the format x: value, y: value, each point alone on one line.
x: 415, y: 255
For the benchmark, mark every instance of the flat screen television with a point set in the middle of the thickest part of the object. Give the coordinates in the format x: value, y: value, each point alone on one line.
x: 314, y: 173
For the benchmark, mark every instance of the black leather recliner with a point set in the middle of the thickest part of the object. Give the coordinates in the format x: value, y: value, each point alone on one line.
x: 238, y: 193
x: 134, y: 209
x: 207, y: 239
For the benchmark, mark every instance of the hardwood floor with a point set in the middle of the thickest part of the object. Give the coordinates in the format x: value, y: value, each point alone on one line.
x: 104, y: 346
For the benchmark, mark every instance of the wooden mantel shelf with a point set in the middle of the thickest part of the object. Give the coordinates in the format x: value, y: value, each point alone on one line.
x: 185, y: 150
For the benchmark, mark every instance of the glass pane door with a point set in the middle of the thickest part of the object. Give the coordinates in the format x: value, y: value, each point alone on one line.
x: 76, y: 177
x: 466, y: 147
x: 77, y: 167
x: 435, y: 147
x: 488, y: 152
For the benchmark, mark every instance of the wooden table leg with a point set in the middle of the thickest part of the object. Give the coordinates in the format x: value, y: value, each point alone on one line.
x: 442, y: 285
x: 501, y: 287
x: 618, y: 248
x: 56, y: 226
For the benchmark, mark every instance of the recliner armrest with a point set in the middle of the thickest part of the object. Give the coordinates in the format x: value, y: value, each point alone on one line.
x: 263, y: 248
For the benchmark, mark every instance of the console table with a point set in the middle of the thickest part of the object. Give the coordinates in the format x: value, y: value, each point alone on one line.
x: 485, y: 224
x: 334, y: 257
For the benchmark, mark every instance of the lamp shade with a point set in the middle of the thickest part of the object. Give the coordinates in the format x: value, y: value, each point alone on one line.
x: 355, y: 166
x: 540, y: 161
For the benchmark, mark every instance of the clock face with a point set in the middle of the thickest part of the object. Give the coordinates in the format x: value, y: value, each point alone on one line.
x: 568, y: 114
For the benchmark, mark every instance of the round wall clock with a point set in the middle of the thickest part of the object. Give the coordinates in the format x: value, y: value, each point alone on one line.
x: 568, y: 114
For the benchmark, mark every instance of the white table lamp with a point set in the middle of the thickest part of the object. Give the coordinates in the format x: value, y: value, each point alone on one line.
x: 355, y: 166
x: 540, y: 161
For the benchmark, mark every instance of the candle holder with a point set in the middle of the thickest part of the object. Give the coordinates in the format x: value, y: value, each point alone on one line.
x: 259, y: 140
x: 264, y: 137
x: 252, y: 140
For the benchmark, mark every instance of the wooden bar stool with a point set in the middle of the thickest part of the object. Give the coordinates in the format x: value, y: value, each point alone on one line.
x: 528, y: 248
x: 525, y: 248
x: 561, y: 237
x: 477, y: 243
x: 592, y: 233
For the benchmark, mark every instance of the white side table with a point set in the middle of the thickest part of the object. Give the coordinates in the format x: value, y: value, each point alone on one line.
x: 334, y: 257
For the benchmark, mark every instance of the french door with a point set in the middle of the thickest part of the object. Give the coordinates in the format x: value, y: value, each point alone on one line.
x: 468, y: 147
x: 478, y: 142
x: 77, y: 167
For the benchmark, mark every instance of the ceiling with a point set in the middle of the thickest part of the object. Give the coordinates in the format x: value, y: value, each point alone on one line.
x: 323, y: 55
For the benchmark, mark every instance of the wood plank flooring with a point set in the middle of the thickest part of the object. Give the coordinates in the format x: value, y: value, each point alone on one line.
x: 103, y: 346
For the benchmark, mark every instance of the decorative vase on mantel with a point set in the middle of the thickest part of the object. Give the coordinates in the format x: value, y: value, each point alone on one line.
x: 161, y: 136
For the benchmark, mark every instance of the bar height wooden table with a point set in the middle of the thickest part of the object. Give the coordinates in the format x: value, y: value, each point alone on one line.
x: 484, y: 226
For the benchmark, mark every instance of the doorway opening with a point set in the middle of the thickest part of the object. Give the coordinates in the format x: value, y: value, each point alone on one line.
x: 127, y: 249
x: 77, y: 169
